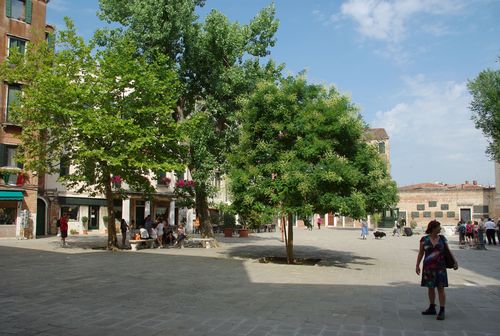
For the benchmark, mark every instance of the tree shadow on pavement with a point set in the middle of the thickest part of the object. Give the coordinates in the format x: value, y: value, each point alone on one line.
x: 331, y: 258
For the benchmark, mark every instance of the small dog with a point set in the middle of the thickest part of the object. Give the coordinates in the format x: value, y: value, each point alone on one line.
x: 379, y: 234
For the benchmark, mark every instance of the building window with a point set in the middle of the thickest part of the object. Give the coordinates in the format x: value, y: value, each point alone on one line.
x: 427, y: 214
x: 19, y: 9
x: 64, y: 164
x: 8, y: 212
x: 450, y: 214
x: 13, y: 95
x: 17, y: 43
x: 7, y: 156
x: 432, y: 204
x: 481, y: 209
x: 438, y: 214
x: 420, y: 207
x: 72, y: 211
x: 445, y: 206
x: 381, y: 147
x: 415, y: 214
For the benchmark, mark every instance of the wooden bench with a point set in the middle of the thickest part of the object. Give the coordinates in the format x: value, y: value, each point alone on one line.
x: 203, y: 242
x: 150, y: 243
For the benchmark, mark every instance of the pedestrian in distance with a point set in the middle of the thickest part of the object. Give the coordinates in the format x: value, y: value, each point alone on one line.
x: 498, y: 230
x: 124, y: 228
x: 469, y: 233
x: 434, y: 275
x: 63, y: 227
x: 490, y: 231
x: 364, y: 229
x: 319, y: 221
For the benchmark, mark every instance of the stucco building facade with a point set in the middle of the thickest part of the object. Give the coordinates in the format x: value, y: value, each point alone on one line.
x: 447, y: 203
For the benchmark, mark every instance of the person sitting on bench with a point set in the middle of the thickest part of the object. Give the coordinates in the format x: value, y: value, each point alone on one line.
x: 144, y: 233
x: 181, y: 235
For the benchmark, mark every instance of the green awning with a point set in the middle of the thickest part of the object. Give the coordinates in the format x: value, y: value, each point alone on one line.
x: 81, y: 201
x: 11, y: 195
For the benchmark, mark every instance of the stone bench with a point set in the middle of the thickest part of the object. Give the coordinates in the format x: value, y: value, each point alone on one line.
x: 134, y: 244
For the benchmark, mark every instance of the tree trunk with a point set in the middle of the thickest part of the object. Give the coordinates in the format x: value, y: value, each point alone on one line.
x: 289, y: 245
x: 202, y: 210
x: 112, y: 240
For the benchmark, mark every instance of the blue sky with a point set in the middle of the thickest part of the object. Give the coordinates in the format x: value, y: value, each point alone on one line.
x: 405, y: 64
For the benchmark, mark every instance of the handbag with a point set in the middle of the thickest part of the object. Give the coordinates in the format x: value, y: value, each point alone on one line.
x: 448, y: 258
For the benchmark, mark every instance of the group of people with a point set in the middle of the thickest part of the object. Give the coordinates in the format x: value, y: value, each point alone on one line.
x: 472, y: 232
x: 159, y: 230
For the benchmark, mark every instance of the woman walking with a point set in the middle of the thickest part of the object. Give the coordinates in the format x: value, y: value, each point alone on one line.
x: 434, y: 274
x: 364, y: 229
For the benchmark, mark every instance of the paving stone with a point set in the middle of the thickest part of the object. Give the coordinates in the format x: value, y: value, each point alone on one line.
x: 361, y: 288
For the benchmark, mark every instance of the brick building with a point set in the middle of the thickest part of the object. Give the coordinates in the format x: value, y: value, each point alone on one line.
x: 22, y: 22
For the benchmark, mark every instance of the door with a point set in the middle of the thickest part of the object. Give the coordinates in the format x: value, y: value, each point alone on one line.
x: 94, y: 217
x: 139, y: 215
x: 41, y: 214
x: 465, y: 215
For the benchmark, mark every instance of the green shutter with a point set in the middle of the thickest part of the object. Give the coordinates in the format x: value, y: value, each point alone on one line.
x: 3, y: 155
x: 8, y: 8
x: 51, y: 40
x: 29, y: 9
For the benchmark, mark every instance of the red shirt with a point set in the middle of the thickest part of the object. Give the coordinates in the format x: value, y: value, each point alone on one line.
x: 64, y: 224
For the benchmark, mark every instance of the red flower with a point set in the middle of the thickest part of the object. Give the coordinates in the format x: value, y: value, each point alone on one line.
x: 116, y: 179
x: 180, y: 183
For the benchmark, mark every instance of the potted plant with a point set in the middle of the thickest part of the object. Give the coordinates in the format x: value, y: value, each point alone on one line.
x: 229, y: 224
x: 85, y: 220
x: 5, y: 172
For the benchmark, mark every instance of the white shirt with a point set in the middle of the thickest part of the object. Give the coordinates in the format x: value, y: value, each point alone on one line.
x: 144, y: 233
x: 489, y: 225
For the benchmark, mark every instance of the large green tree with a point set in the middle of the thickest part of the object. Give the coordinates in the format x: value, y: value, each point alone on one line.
x: 485, y: 106
x: 107, y: 111
x: 217, y: 61
x: 301, y: 152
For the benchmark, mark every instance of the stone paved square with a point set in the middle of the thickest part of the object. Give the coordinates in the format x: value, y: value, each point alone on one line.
x: 360, y: 287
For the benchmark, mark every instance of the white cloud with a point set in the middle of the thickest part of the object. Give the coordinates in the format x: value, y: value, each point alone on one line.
x: 432, y: 137
x: 387, y: 19
x: 59, y: 5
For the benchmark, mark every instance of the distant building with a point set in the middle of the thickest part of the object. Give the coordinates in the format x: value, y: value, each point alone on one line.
x: 379, y: 138
x: 447, y: 203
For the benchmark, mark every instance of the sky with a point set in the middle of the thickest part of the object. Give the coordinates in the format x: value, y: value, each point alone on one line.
x: 404, y: 63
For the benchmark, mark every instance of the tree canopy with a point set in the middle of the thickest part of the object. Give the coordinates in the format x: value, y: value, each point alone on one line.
x: 107, y: 111
x: 485, y: 107
x: 217, y: 62
x: 301, y: 151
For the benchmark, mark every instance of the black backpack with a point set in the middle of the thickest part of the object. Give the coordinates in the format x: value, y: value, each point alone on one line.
x: 58, y: 223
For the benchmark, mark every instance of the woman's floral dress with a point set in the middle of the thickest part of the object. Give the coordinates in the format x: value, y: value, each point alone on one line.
x: 434, y: 268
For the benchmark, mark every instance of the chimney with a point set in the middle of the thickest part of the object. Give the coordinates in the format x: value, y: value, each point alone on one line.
x: 474, y: 182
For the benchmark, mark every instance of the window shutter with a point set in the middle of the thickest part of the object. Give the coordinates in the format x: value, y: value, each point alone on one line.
x: 29, y: 9
x: 3, y: 154
x: 8, y: 8
x: 51, y: 40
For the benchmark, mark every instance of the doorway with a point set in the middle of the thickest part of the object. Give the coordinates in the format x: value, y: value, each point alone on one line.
x: 41, y: 216
x: 140, y: 213
x: 465, y: 215
x: 94, y: 217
